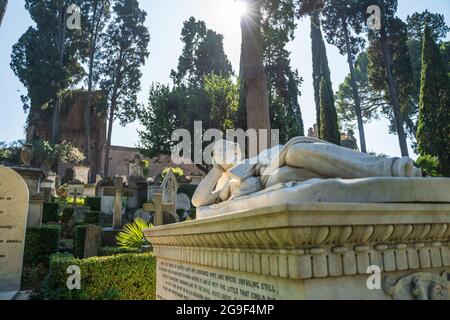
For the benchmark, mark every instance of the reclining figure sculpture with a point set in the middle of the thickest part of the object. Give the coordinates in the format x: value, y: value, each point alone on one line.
x: 309, y: 170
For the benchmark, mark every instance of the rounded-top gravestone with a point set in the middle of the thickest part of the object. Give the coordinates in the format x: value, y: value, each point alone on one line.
x: 14, y: 199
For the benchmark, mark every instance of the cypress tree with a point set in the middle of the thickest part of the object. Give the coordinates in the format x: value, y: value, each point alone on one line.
x: 320, y: 65
x: 433, y: 132
x: 329, y: 129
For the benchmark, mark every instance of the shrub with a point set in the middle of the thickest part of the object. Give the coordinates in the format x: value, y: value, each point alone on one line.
x: 92, y: 217
x: 187, y: 189
x: 132, y: 235
x: 118, y: 277
x: 78, y: 201
x: 51, y: 212
x: 67, y: 214
x: 94, y: 203
x: 429, y: 165
x: 41, y: 243
x: 177, y: 171
x: 79, y: 236
x: 112, y: 251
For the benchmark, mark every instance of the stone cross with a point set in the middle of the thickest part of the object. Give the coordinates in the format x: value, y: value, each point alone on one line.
x: 158, y: 207
x: 14, y: 198
x: 117, y: 217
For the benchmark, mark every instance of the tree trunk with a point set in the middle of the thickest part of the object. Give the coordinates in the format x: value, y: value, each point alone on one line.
x: 393, y: 94
x: 358, y: 112
x: 88, y: 107
x: 61, y: 32
x: 109, y: 138
x: 255, y: 80
x: 3, y: 5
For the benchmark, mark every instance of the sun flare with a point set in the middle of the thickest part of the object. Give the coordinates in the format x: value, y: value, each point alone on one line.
x: 233, y: 8
x: 241, y: 7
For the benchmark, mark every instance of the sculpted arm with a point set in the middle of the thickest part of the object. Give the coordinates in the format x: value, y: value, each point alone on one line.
x: 205, y: 194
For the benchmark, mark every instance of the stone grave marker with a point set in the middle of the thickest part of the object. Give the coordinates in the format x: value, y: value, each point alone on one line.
x: 158, y: 207
x: 14, y: 199
x: 93, y: 241
x: 117, y: 217
x: 183, y: 202
x: 169, y: 188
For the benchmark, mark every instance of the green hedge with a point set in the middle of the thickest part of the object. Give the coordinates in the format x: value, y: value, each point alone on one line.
x: 51, y: 212
x: 92, y: 217
x: 95, y: 203
x: 41, y: 243
x: 118, y: 277
x: 111, y: 251
x: 79, y: 236
x: 67, y: 214
x: 188, y: 189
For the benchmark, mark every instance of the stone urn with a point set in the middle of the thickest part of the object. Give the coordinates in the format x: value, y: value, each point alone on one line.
x: 26, y: 155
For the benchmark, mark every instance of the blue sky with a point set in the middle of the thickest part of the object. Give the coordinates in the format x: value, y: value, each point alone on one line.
x: 165, y: 21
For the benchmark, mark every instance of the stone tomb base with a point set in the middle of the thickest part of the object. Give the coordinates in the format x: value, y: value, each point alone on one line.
x: 311, y: 251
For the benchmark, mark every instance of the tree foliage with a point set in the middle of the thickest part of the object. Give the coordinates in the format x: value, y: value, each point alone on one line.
x: 434, y: 113
x: 35, y: 58
x: 124, y: 52
x: 209, y: 96
x: 329, y: 128
x: 323, y: 88
x: 203, y: 54
x: 372, y: 101
x: 47, y: 155
x: 342, y: 24
x: 278, y: 28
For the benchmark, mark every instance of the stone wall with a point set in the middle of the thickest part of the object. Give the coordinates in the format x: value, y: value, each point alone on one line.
x: 71, y: 129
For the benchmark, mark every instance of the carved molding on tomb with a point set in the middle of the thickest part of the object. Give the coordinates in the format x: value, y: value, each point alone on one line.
x: 291, y: 248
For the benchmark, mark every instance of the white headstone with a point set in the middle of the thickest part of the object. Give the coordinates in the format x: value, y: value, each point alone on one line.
x: 14, y: 199
x: 169, y: 188
x: 81, y: 173
x: 183, y: 202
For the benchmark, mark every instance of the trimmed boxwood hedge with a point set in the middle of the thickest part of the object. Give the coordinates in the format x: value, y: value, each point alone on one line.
x: 67, y: 214
x: 94, y: 203
x: 41, y: 243
x: 92, y: 217
x: 111, y: 251
x: 118, y: 277
x: 51, y: 212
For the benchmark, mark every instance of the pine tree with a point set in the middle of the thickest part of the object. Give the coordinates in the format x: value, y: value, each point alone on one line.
x: 329, y: 128
x: 434, y: 106
x: 391, y: 29
x: 124, y: 53
x: 342, y: 25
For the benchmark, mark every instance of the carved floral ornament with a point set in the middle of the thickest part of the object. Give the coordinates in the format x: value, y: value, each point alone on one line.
x: 418, y: 286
